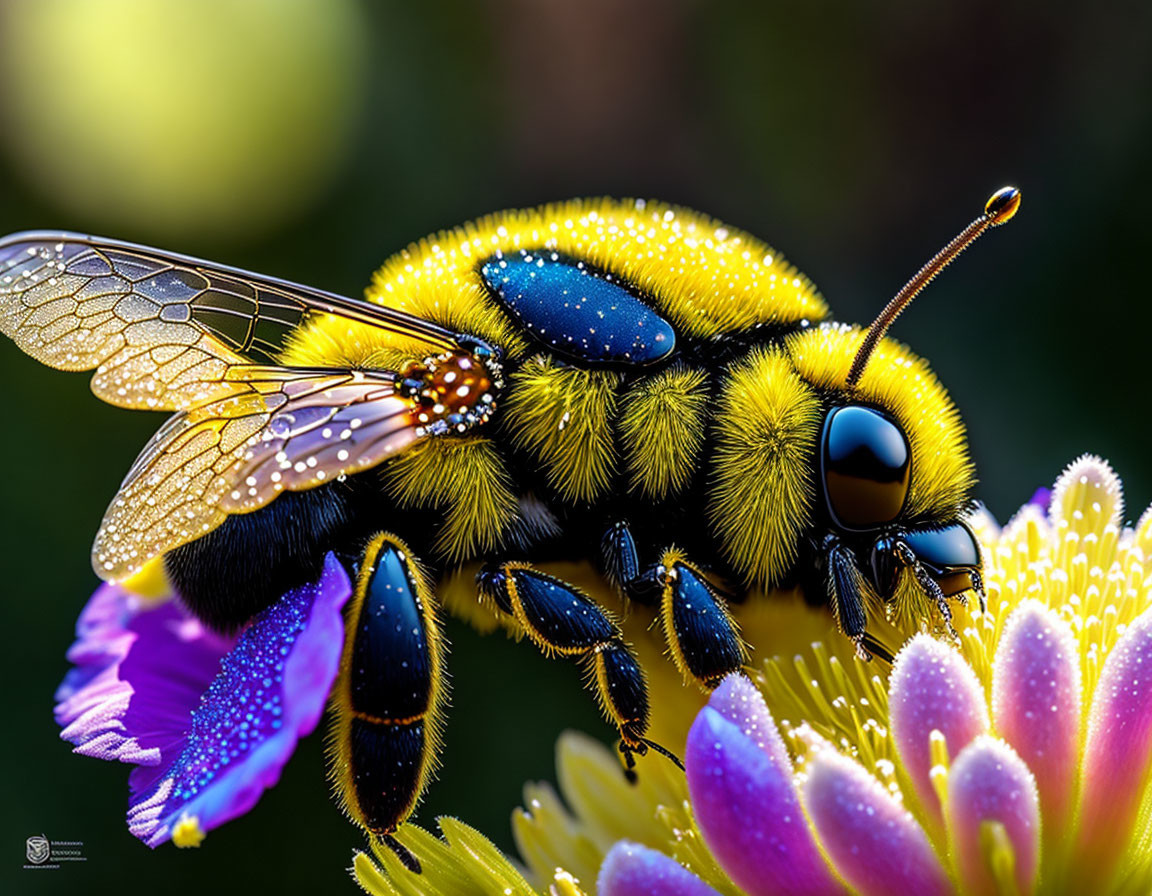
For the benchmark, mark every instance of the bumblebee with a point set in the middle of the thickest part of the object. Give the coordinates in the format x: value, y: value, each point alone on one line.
x: 625, y: 383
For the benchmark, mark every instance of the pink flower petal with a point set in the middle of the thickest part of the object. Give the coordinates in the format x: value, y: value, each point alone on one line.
x: 988, y: 782
x: 1036, y: 705
x: 744, y: 799
x: 630, y: 869
x: 1118, y: 752
x: 739, y: 701
x: 872, y: 840
x: 932, y: 688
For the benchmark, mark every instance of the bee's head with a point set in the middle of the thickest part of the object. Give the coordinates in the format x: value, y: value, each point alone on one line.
x: 866, y: 459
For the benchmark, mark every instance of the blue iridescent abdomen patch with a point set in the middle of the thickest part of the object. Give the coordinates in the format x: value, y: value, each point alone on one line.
x: 575, y: 312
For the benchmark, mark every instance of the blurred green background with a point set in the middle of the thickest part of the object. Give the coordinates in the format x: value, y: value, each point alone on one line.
x: 311, y: 138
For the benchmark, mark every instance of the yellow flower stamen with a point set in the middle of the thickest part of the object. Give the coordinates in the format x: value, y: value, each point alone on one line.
x: 1000, y: 857
x: 938, y: 748
x: 187, y: 833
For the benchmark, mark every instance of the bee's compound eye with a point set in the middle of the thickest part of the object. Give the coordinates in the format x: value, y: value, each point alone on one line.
x: 949, y: 554
x: 865, y: 463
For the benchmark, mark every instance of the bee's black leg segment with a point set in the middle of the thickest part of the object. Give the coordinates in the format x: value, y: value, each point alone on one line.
x: 700, y: 631
x: 561, y: 620
x: 618, y: 553
x: 875, y: 647
x: 403, y: 853
x: 978, y: 585
x: 390, y: 696
x: 492, y: 583
x: 629, y: 755
x: 844, y: 591
x: 622, y: 566
x: 929, y: 585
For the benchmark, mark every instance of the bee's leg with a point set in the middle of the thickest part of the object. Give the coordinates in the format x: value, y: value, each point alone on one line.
x: 700, y: 632
x: 906, y: 556
x: 978, y: 587
x: 390, y: 697
x: 844, y: 593
x: 621, y: 565
x: 561, y: 620
x: 698, y: 628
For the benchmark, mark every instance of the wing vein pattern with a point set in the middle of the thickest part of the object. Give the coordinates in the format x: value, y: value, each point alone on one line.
x: 162, y: 332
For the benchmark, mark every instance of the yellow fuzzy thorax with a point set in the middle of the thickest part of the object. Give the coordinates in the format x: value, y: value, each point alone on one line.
x: 702, y: 276
x: 767, y: 426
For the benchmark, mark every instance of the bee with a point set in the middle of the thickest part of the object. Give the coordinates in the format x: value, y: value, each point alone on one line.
x: 624, y: 383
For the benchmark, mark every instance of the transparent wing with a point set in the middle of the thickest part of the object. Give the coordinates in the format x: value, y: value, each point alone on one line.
x: 169, y: 332
x: 292, y: 431
x: 160, y: 330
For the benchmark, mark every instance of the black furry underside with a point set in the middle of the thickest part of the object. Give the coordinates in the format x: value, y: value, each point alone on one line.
x: 232, y: 573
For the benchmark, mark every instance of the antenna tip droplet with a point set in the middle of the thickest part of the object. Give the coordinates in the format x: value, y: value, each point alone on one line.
x: 1002, y: 205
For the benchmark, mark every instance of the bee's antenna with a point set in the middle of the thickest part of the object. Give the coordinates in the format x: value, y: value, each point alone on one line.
x: 1000, y: 207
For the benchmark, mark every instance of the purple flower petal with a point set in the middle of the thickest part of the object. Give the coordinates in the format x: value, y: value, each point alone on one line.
x: 988, y: 782
x: 872, y: 840
x: 630, y: 869
x: 744, y: 799
x: 931, y: 689
x: 1036, y: 704
x: 1118, y: 751
x: 739, y: 701
x: 140, y: 668
x: 1041, y: 498
x: 270, y: 691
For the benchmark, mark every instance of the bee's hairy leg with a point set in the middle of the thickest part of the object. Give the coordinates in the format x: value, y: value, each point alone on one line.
x: 978, y: 587
x: 621, y: 564
x: 698, y: 628
x: 844, y: 593
x: 907, y: 556
x: 700, y: 632
x: 390, y: 697
x: 563, y: 621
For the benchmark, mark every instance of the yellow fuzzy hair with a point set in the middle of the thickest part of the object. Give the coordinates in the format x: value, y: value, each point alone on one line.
x: 662, y: 428
x: 563, y: 417
x: 901, y: 383
x: 338, y: 740
x: 767, y: 425
x: 704, y: 277
x: 464, y: 477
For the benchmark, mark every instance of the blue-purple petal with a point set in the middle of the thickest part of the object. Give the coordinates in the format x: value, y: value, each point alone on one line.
x: 745, y: 801
x: 1042, y: 498
x: 630, y: 869
x: 139, y: 670
x: 270, y: 691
